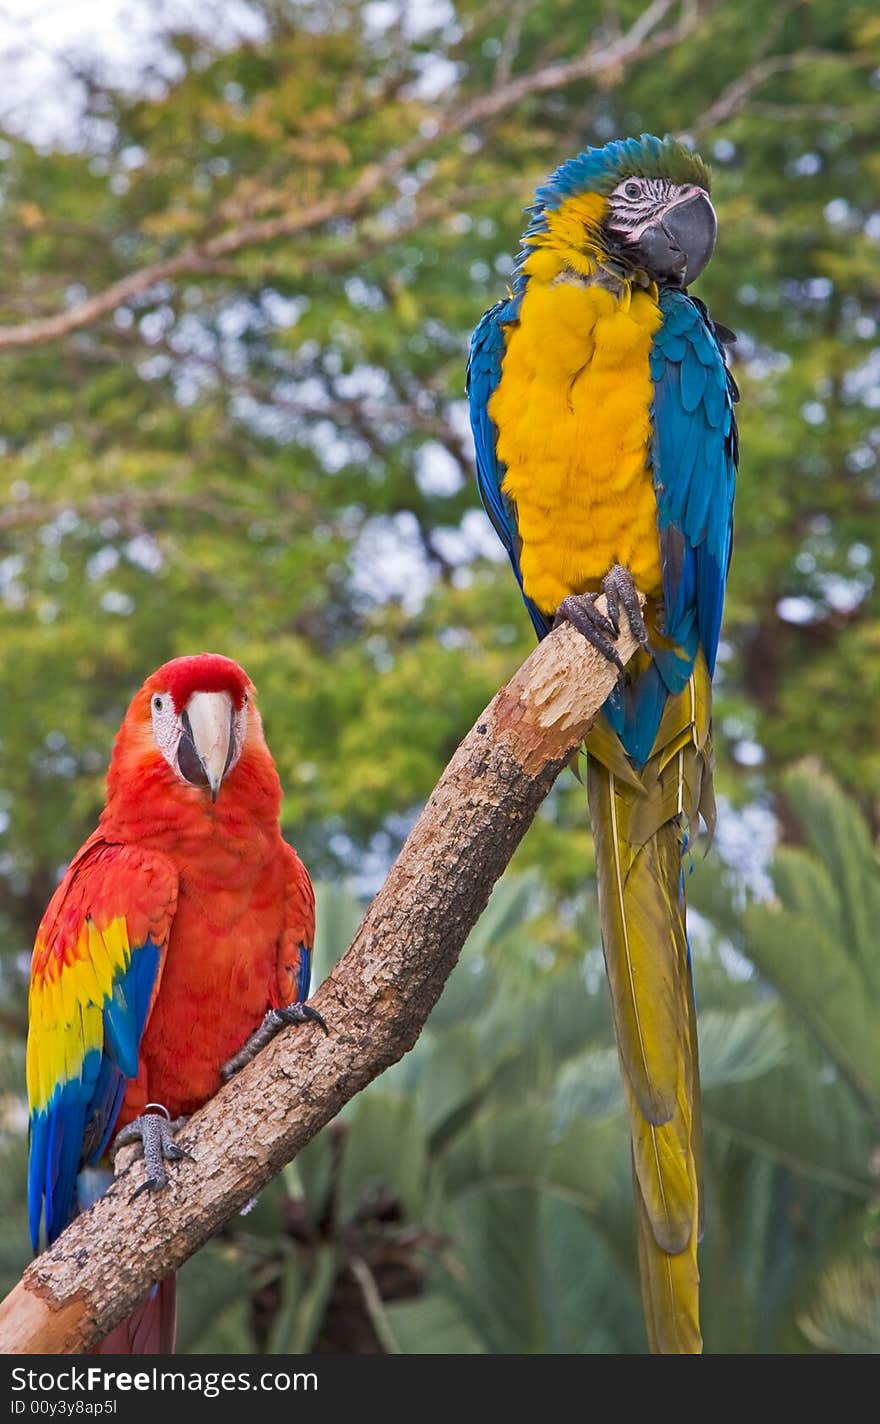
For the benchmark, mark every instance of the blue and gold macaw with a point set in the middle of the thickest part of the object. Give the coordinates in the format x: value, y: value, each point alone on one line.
x: 602, y: 412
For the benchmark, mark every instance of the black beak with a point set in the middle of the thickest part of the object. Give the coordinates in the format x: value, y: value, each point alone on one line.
x: 188, y: 760
x: 683, y: 240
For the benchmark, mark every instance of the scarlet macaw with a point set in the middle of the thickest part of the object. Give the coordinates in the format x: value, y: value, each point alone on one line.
x: 182, y: 923
x: 602, y: 412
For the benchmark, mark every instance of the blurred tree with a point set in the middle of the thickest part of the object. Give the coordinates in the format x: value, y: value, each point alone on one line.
x: 263, y: 449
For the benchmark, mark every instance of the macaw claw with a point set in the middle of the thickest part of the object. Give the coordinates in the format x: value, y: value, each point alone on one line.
x: 274, y: 1021
x: 618, y: 588
x: 154, y: 1132
x: 298, y: 1014
x: 579, y: 609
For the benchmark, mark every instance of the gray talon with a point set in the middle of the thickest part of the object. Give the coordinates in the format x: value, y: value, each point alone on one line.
x: 581, y: 612
x: 155, y: 1135
x: 274, y: 1021
x: 618, y: 588
x: 300, y: 1014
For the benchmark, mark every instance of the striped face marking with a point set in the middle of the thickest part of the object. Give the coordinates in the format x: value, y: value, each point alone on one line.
x: 636, y: 203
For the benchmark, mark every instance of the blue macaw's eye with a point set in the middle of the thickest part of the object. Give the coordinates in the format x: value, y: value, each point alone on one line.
x: 632, y: 190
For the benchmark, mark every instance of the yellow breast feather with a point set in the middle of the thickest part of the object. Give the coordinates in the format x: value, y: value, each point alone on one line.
x: 572, y: 410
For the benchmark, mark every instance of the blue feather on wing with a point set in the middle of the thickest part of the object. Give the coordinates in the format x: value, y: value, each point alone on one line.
x: 694, y: 462
x: 483, y: 375
x: 305, y: 974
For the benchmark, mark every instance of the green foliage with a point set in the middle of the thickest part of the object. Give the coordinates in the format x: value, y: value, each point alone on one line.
x: 476, y: 1198
x: 817, y: 939
x: 846, y: 1318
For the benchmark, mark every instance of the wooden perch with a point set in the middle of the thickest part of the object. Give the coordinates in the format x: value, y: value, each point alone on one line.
x: 375, y: 1002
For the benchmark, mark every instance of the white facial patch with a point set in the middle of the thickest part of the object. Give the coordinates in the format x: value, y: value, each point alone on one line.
x: 635, y: 203
x: 166, y: 727
x: 239, y: 731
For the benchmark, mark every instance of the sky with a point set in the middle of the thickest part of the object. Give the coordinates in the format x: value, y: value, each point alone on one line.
x: 41, y: 95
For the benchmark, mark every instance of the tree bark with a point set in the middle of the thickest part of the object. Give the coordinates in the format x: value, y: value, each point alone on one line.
x: 375, y: 1003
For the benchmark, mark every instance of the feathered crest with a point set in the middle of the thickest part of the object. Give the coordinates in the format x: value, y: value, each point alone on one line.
x: 205, y: 672
x: 598, y: 170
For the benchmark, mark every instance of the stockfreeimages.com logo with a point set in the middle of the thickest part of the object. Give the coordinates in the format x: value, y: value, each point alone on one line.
x: 96, y: 1380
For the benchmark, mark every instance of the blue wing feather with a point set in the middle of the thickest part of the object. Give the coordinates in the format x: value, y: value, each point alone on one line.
x: 125, y: 1013
x: 694, y: 461
x: 483, y: 375
x: 693, y: 380
x: 305, y: 974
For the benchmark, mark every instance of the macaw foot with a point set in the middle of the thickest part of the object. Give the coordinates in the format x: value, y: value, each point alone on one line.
x: 273, y: 1023
x: 154, y: 1131
x: 580, y: 610
x: 618, y: 588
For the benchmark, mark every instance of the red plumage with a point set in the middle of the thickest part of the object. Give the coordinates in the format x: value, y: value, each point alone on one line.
x: 210, y: 672
x: 245, y: 901
x: 212, y: 883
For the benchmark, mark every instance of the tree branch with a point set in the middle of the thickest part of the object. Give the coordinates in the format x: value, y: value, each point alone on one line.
x: 735, y: 97
x: 375, y: 1002
x: 640, y: 41
x: 130, y: 506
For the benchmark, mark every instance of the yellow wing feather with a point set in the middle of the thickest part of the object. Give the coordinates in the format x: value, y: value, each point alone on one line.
x: 65, y: 1007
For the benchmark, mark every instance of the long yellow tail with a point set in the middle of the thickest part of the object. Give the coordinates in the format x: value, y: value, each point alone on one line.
x: 640, y: 819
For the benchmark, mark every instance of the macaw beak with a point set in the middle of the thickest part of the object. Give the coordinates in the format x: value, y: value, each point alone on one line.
x: 206, y: 743
x: 681, y: 239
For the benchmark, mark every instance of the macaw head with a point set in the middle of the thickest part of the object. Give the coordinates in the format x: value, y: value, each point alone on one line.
x: 639, y: 208
x: 199, y: 717
x: 188, y: 727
